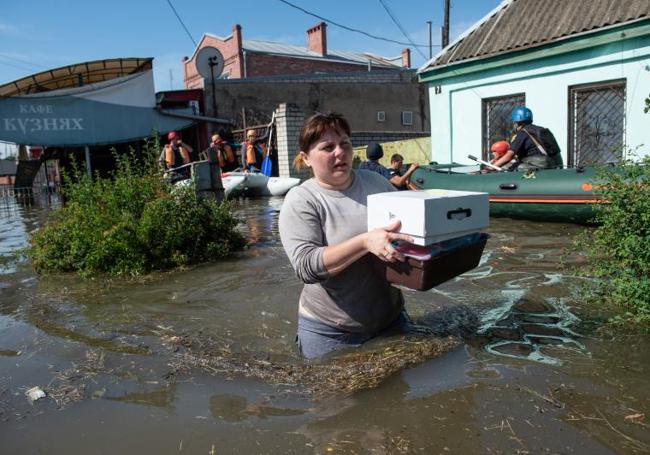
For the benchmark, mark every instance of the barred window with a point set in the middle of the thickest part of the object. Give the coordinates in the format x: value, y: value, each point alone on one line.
x: 496, y: 122
x: 596, y: 122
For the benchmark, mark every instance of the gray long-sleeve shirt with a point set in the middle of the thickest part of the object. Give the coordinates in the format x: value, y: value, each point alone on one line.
x: 357, y: 299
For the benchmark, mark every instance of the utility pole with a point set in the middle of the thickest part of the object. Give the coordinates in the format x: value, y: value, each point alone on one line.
x: 213, y: 61
x: 445, y: 26
x: 430, y: 40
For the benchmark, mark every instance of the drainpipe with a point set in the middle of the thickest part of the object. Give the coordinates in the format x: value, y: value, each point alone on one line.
x: 451, y: 130
x: 369, y: 65
x: 244, y: 58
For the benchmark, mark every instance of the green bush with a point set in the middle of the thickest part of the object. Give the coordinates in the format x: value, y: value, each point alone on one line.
x: 619, y: 248
x: 131, y: 224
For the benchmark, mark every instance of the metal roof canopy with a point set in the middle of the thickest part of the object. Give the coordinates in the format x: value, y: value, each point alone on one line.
x: 76, y: 75
x: 518, y: 25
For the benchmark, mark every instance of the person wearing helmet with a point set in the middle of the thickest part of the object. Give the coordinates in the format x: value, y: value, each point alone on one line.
x: 374, y: 152
x: 176, y: 152
x: 528, y: 145
x: 498, y: 150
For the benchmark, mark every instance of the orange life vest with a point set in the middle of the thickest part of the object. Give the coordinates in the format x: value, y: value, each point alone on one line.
x: 170, y: 159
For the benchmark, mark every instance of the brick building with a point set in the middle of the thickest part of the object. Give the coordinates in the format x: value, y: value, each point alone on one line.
x: 253, y: 58
x: 381, y: 105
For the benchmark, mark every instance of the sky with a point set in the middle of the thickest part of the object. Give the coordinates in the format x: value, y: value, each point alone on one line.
x: 37, y: 35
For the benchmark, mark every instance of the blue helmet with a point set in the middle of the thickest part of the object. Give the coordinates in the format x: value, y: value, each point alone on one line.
x: 522, y: 115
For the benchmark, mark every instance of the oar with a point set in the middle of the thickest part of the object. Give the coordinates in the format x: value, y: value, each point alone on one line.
x: 485, y: 163
x: 267, y: 165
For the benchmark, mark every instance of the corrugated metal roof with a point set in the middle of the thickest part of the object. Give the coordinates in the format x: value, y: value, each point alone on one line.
x: 521, y: 24
x: 291, y: 50
x: 75, y: 75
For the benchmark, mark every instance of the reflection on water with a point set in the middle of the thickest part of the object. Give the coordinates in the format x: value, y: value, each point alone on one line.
x: 525, y: 381
x: 523, y: 329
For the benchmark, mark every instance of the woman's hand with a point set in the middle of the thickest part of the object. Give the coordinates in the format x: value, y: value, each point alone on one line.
x: 378, y: 242
x: 337, y: 258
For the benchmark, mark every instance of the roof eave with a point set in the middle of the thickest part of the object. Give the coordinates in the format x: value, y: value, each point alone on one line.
x: 563, y: 45
x: 462, y: 36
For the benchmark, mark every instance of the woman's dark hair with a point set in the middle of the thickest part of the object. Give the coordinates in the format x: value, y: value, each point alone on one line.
x: 314, y: 127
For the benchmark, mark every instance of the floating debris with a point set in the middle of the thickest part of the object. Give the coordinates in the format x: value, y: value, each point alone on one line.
x: 342, y: 374
x: 35, y: 393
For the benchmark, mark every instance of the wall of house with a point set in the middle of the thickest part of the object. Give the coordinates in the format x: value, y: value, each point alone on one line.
x: 456, y: 103
x: 356, y: 98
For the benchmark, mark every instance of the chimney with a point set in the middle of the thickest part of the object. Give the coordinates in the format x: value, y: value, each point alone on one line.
x: 238, y: 44
x: 317, y: 39
x: 406, y: 58
x: 236, y: 34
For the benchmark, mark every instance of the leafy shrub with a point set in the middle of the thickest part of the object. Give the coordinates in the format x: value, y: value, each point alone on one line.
x: 131, y: 224
x: 619, y: 248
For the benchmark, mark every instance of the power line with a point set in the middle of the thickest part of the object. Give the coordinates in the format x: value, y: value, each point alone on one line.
x: 181, y: 21
x: 350, y: 29
x: 392, y: 16
x: 13, y: 65
x: 9, y: 57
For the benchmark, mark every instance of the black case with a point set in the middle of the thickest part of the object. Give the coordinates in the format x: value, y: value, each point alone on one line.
x: 424, y: 275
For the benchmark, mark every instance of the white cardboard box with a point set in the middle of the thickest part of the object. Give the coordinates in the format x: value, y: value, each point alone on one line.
x: 430, y: 216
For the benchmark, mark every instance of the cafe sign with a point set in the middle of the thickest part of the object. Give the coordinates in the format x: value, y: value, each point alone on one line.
x: 114, y: 111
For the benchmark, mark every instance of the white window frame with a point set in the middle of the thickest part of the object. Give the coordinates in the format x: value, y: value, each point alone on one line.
x: 407, y: 118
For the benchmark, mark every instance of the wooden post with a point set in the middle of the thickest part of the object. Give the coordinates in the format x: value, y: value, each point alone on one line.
x: 89, y: 169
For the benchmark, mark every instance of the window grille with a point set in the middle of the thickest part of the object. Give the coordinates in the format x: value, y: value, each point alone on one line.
x: 407, y: 118
x: 596, y: 123
x: 497, y: 124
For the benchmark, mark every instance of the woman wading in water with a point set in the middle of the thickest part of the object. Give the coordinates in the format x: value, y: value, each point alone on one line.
x: 323, y: 229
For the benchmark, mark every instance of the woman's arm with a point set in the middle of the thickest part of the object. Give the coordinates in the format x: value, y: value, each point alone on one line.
x: 337, y: 258
x: 303, y: 240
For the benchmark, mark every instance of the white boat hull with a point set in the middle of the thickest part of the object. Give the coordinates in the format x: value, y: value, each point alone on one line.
x: 256, y: 184
x: 231, y: 183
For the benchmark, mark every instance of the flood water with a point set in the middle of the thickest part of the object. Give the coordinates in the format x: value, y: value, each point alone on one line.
x: 113, y: 358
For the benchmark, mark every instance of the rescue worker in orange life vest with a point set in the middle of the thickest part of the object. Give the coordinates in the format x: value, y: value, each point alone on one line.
x: 221, y: 152
x: 525, y: 144
x: 176, y: 153
x: 253, y: 152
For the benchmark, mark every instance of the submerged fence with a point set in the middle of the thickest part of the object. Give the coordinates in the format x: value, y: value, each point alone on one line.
x: 28, y: 196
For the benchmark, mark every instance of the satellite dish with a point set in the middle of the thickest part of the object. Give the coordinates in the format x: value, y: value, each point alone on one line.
x: 209, y: 62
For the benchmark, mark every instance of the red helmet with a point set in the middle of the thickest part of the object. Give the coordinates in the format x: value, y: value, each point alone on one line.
x: 500, y: 148
x: 172, y: 135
